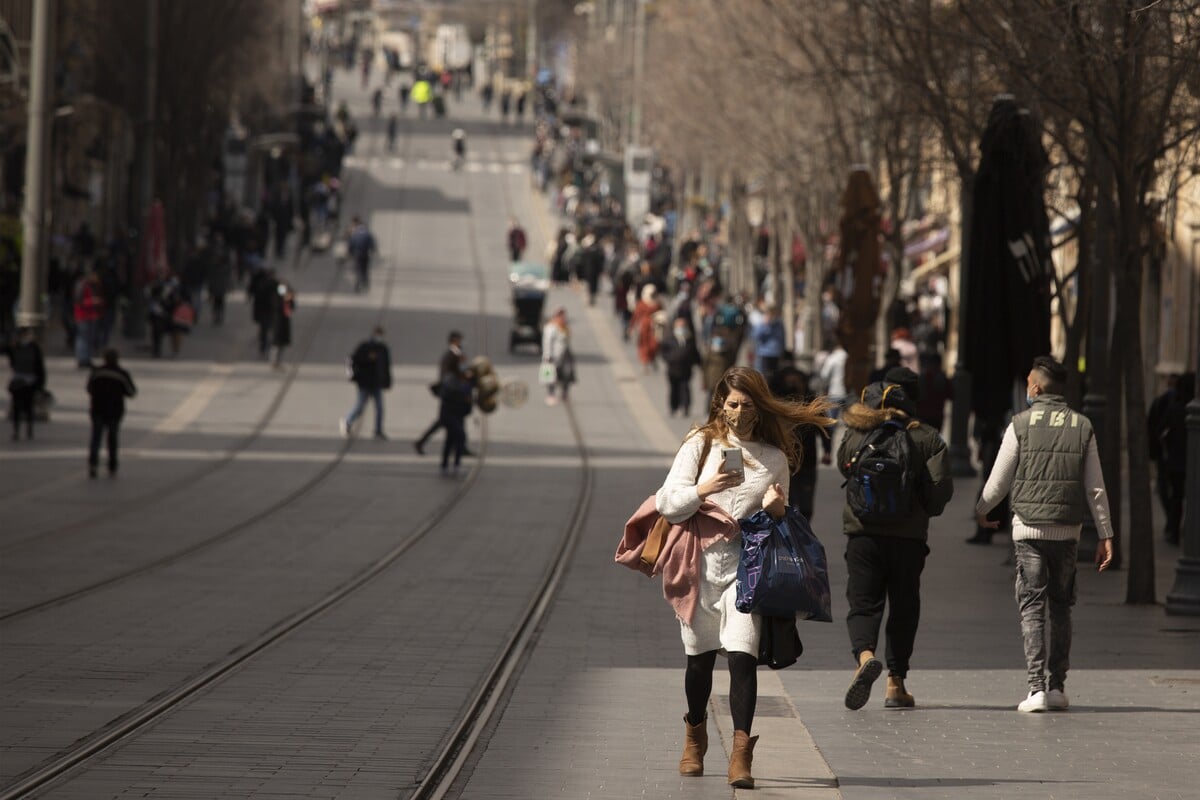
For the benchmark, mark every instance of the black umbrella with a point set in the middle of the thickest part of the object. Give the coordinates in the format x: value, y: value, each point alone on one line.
x: 1007, y: 308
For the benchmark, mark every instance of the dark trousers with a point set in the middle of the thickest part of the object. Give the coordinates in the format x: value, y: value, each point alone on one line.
x: 456, y: 439
x: 100, y: 426
x: 884, y: 570
x: 680, y: 394
x: 362, y: 271
x: 264, y: 337
x: 1171, y: 491
x: 802, y: 492
x: 22, y: 408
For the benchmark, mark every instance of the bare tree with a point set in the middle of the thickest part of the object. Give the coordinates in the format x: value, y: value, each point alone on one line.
x: 1121, y: 70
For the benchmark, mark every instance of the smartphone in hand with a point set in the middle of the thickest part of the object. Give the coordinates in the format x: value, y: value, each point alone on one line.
x: 731, y: 460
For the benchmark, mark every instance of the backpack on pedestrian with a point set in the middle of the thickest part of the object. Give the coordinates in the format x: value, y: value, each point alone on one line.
x: 882, y: 486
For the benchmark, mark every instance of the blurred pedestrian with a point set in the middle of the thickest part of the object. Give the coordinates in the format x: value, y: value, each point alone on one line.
x: 453, y: 408
x: 165, y: 297
x: 516, y: 240
x: 833, y: 375
x: 107, y: 386
x: 281, y: 323
x: 1050, y: 465
x: 361, y: 247
x: 28, y: 378
x: 1173, y: 440
x: 935, y: 391
x: 903, y: 344
x: 453, y: 361
x: 681, y: 356
x: 642, y: 325
x: 218, y: 278
x: 891, y: 360
x: 393, y: 126
x: 87, y: 309
x: 371, y: 372
x: 556, y: 351
x: 770, y: 341
x: 793, y: 385
x: 264, y: 293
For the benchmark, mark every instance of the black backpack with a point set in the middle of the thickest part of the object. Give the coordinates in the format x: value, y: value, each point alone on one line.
x: 882, y: 485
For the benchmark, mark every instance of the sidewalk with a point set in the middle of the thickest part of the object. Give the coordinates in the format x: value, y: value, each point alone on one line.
x: 597, y: 712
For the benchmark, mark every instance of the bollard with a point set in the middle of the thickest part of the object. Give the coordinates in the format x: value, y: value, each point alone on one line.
x: 1184, y: 597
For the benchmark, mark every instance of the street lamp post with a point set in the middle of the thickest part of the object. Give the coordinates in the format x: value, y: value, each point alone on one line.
x: 32, y: 310
x: 1184, y: 597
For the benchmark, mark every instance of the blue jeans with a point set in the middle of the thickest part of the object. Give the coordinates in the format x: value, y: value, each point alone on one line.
x: 360, y: 404
x: 1045, y: 590
x: 85, y: 341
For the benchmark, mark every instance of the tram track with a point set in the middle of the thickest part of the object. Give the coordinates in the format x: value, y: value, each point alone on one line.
x: 469, y: 730
x: 231, y: 530
x: 185, y: 482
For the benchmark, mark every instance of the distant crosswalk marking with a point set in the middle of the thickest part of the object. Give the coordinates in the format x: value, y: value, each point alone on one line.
x: 493, y: 166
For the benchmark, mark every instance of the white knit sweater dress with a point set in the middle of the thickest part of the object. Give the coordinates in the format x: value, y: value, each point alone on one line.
x: 717, y: 624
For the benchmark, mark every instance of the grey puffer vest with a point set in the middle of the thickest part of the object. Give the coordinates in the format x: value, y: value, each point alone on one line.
x: 1048, y: 487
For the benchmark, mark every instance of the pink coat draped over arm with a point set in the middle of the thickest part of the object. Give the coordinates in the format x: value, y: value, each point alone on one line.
x: 679, y: 560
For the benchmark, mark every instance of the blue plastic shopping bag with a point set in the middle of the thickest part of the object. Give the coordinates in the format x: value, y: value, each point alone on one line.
x: 783, y: 570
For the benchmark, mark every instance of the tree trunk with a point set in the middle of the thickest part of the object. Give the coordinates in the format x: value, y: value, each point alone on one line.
x: 1140, y: 539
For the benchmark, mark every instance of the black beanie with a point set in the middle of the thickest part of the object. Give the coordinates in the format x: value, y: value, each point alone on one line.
x: 907, y: 380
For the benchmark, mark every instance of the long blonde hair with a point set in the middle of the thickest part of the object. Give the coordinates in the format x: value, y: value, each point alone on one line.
x: 776, y: 417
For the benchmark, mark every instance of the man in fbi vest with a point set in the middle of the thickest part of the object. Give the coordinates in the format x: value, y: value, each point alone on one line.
x: 1049, y: 461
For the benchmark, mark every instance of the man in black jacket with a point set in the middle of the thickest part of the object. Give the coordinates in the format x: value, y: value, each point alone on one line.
x: 28, y: 378
x: 371, y: 371
x: 452, y: 364
x: 108, y: 386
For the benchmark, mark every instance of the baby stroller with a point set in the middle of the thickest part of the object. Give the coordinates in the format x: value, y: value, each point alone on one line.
x: 530, y: 283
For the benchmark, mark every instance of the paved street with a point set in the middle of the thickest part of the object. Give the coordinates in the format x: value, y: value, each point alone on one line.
x: 241, y: 505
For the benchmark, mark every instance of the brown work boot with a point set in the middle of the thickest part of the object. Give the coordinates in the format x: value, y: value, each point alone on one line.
x: 695, y: 745
x: 741, y: 759
x: 897, y: 696
x: 859, y: 691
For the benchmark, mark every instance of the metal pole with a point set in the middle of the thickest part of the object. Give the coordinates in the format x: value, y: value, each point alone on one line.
x: 135, y: 323
x: 639, y: 66
x: 32, y: 310
x: 1184, y: 597
x: 531, y: 49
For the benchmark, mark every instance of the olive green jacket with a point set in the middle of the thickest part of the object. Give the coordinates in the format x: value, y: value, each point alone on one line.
x: 935, y: 486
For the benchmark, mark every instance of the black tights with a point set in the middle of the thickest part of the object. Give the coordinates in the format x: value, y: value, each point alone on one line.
x: 743, y: 687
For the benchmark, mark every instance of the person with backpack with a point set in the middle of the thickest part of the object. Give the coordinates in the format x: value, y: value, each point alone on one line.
x: 897, y: 474
x: 371, y: 371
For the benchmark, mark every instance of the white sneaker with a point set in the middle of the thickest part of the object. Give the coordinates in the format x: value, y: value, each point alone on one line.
x: 1056, y: 700
x: 1036, y: 702
x: 343, y: 427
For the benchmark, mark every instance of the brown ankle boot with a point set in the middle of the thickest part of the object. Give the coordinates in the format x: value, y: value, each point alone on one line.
x: 859, y: 691
x: 695, y: 745
x: 897, y: 696
x: 741, y: 759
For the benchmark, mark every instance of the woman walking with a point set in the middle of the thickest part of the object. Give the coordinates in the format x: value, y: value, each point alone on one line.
x: 642, y: 323
x: 743, y: 416
x: 556, y: 350
x: 281, y: 329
